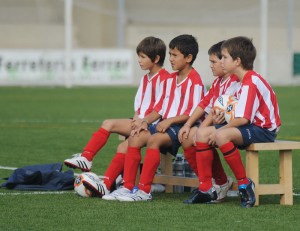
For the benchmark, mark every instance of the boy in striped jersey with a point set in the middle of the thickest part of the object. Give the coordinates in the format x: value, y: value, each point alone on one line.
x: 151, y: 53
x: 183, y: 91
x: 223, y: 84
x: 256, y: 120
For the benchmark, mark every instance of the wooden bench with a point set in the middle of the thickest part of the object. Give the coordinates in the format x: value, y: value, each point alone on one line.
x: 285, y: 186
x: 166, y: 177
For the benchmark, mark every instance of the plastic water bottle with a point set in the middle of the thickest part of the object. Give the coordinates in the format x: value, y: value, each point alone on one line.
x: 187, y: 173
x: 178, y: 170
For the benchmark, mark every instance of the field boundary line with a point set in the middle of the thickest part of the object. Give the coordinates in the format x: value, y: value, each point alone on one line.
x: 36, y: 193
x: 7, y: 168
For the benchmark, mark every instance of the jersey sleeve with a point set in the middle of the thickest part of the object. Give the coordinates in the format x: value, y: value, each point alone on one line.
x: 138, y: 97
x: 248, y: 103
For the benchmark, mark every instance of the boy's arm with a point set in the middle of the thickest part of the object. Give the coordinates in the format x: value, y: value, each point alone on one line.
x: 237, y: 122
x: 166, y: 123
x: 149, y: 119
x: 185, y: 130
x: 208, y: 120
x: 136, y: 121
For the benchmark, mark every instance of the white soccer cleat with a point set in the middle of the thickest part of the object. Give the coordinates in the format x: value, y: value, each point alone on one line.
x: 98, y: 187
x: 223, y: 189
x: 135, y: 195
x: 78, y: 161
x: 118, y: 192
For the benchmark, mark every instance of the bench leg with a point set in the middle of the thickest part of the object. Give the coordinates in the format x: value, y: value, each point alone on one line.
x: 286, y: 176
x: 166, y: 169
x: 252, y: 170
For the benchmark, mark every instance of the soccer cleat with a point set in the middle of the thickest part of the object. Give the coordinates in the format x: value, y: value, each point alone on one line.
x: 223, y: 189
x: 135, y: 195
x: 247, y: 194
x: 202, y: 197
x: 118, y: 192
x: 78, y: 161
x: 97, y: 187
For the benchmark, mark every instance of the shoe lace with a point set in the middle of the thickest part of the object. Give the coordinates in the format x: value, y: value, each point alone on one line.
x: 76, y: 155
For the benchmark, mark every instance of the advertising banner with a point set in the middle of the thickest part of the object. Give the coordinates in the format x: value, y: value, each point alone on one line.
x: 87, y: 67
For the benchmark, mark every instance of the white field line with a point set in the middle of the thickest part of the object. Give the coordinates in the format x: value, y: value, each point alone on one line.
x: 62, y: 192
x: 7, y: 168
x: 35, y: 193
x: 84, y: 121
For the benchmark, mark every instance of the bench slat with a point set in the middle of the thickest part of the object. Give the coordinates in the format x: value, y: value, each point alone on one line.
x: 176, y: 180
x: 277, y: 145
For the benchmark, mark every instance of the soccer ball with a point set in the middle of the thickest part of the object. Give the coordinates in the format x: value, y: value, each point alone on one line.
x: 229, y: 112
x: 226, y: 104
x: 79, y: 188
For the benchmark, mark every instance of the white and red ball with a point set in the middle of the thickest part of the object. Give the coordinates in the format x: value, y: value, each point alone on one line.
x: 79, y: 188
x: 226, y: 104
x: 230, y: 110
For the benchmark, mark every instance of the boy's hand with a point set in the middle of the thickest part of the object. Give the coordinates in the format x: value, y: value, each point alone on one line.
x: 218, y: 118
x: 163, y: 125
x: 142, y: 127
x: 212, y: 139
x: 136, y: 123
x: 184, y: 133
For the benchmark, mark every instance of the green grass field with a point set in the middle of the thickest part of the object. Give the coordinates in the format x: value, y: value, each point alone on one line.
x: 47, y: 125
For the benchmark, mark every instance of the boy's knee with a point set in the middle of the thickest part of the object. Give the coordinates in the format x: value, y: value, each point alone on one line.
x: 153, y: 142
x: 201, y: 134
x: 107, y: 124
x: 122, y: 147
x: 220, y: 137
x: 187, y: 143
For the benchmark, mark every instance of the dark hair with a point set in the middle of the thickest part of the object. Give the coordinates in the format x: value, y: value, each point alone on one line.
x: 243, y: 48
x: 152, y: 47
x: 216, y: 49
x: 186, y: 44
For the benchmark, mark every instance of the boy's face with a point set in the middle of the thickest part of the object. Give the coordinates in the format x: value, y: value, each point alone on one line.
x: 144, y: 61
x: 216, y: 65
x: 228, y: 64
x: 177, y: 59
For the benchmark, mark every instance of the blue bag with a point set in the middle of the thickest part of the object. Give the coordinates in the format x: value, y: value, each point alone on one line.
x: 41, y: 177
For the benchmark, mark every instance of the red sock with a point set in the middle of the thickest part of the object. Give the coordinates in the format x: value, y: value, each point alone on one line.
x: 97, y: 141
x: 204, y: 157
x: 151, y: 163
x: 114, y: 169
x: 218, y: 172
x: 131, y: 166
x: 190, y: 156
x: 233, y: 158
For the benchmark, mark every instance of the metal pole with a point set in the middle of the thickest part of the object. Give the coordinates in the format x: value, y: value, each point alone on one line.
x: 264, y: 38
x: 121, y: 23
x: 68, y: 41
x: 290, y: 24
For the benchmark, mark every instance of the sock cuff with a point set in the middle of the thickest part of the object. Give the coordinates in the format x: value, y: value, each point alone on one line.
x: 202, y: 146
x: 191, y: 149
x: 153, y: 154
x: 133, y: 149
x: 227, y: 148
x: 104, y: 131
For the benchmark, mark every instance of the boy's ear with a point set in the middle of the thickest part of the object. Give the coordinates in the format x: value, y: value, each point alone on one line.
x: 157, y: 58
x: 189, y: 58
x: 238, y: 61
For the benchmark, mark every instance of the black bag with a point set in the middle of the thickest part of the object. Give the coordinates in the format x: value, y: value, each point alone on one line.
x: 41, y: 177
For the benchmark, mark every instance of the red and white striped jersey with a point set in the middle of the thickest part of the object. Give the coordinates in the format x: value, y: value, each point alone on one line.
x: 258, y: 102
x: 180, y: 98
x: 149, y: 92
x: 228, y: 87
